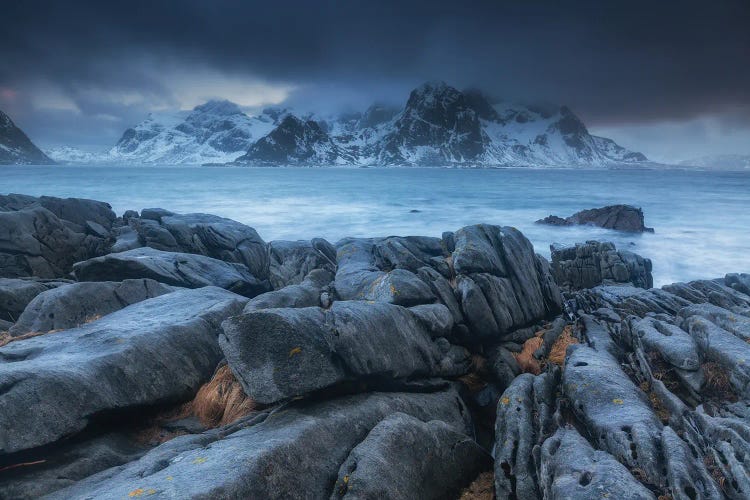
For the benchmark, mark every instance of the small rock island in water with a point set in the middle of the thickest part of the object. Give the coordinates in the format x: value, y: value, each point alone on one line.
x: 182, y: 356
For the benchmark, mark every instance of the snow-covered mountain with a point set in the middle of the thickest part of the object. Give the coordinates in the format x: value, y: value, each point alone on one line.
x: 214, y: 132
x: 69, y: 155
x: 719, y: 162
x: 438, y: 126
x: 15, y: 146
x: 442, y: 126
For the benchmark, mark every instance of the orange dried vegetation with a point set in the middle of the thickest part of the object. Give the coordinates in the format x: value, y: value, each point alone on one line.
x: 483, y: 488
x: 559, y: 348
x: 526, y: 360
x: 221, y: 400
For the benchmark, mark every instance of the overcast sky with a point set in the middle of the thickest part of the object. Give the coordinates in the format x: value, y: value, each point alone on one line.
x: 669, y: 78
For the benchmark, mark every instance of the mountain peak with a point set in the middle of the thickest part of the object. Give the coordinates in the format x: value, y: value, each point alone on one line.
x: 16, y: 147
x: 221, y: 107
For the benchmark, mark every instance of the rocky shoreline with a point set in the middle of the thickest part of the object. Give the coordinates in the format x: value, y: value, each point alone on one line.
x: 168, y: 355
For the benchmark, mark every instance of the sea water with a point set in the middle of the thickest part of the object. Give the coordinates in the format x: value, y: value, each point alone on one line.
x: 701, y: 219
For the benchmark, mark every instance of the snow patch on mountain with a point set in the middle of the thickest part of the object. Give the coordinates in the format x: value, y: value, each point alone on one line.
x: 214, y: 132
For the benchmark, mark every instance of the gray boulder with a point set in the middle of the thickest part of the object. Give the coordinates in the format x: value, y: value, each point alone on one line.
x: 156, y: 351
x: 571, y: 469
x: 674, y: 345
x: 405, y: 458
x: 718, y: 345
x: 294, y: 453
x: 739, y: 281
x: 76, y: 211
x: 359, y: 277
x: 63, y: 466
x: 291, y: 261
x: 593, y: 263
x: 501, y: 283
x: 15, y: 294
x: 616, y: 413
x: 171, y: 268
x: 306, y: 294
x: 35, y: 242
x: 282, y: 353
x: 524, y: 421
x: 203, y: 234
x: 75, y: 304
x: 620, y: 217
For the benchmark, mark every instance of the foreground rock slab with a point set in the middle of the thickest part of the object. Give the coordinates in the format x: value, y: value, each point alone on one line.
x: 171, y: 268
x: 157, y: 351
x: 201, y: 234
x: 405, y: 458
x: 15, y: 294
x: 75, y: 304
x: 282, y: 353
x: 295, y: 452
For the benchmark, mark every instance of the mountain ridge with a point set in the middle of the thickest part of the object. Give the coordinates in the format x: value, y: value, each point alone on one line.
x: 438, y: 125
x: 15, y: 146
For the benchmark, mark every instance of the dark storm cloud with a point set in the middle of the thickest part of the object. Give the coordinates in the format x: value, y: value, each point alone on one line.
x: 615, y: 62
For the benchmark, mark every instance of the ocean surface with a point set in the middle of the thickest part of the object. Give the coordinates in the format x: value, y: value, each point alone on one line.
x: 702, y: 219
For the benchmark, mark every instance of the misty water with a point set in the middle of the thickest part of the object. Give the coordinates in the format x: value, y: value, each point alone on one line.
x: 702, y: 219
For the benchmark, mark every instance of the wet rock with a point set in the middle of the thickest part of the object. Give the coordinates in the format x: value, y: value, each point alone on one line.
x: 572, y: 469
x: 15, y: 294
x: 35, y: 242
x: 619, y: 217
x: 405, y: 458
x: 720, y: 346
x: 593, y: 263
x: 291, y: 261
x: 203, y: 234
x: 359, y: 278
x: 71, y: 462
x: 524, y: 420
x: 674, y: 345
x: 75, y: 304
x: 306, y: 294
x: 77, y: 211
x: 616, y: 413
x: 155, y: 351
x: 294, y: 453
x: 738, y: 281
x: 282, y: 353
x: 171, y: 268
x: 502, y: 285
x: 686, y: 476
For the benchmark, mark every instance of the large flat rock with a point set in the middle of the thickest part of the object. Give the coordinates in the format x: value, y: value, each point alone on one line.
x: 283, y: 353
x: 171, y: 268
x: 75, y: 304
x: 403, y: 458
x: 156, y: 351
x: 293, y: 453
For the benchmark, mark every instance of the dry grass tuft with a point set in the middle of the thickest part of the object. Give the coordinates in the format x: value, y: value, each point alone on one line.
x: 656, y: 403
x: 718, y: 386
x: 483, y: 488
x: 715, y: 471
x: 560, y: 347
x: 5, y: 337
x: 475, y: 380
x: 526, y: 360
x: 221, y: 400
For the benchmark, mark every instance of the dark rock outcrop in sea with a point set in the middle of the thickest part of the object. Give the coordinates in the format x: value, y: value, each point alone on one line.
x: 399, y: 367
x: 620, y: 217
x: 589, y: 264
